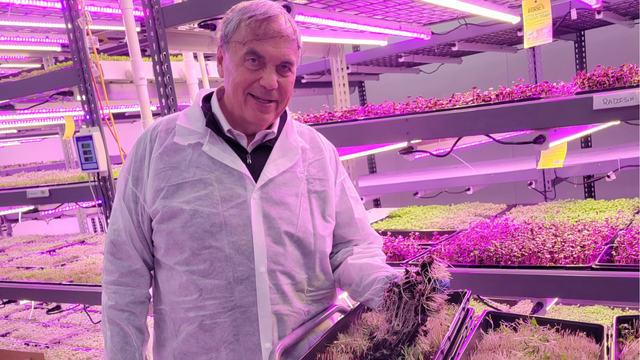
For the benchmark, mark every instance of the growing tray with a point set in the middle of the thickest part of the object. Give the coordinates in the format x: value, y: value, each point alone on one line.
x: 617, y: 321
x: 491, y: 319
x: 605, y: 261
x: 416, y: 260
x: 460, y: 297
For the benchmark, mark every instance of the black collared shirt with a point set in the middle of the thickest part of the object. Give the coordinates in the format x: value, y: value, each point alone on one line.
x: 254, y: 160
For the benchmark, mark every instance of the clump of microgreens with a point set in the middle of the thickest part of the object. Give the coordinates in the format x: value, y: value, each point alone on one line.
x: 86, y: 339
x: 598, y: 314
x: 440, y: 217
x: 627, y: 249
x: 600, y: 78
x: 87, y: 270
x: 619, y: 211
x: 40, y: 333
x: 48, y: 177
x: 401, y: 248
x: 526, y: 340
x: 629, y: 341
x: 504, y: 241
x: 401, y: 320
x: 14, y: 166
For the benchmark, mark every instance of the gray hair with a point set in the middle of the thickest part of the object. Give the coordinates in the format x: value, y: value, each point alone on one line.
x: 249, y: 12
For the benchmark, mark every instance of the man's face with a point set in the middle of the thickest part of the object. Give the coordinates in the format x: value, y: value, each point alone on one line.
x: 258, y: 68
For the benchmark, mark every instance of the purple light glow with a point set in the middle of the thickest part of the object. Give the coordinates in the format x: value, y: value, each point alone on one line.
x: 593, y: 3
x: 45, y: 40
x: 353, y: 26
x: 13, y: 57
x: 83, y: 205
x: 358, y: 149
x: 69, y: 111
x: 57, y: 5
x: 475, y: 143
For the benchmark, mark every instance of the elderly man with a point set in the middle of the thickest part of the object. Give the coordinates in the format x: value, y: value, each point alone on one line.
x: 246, y: 219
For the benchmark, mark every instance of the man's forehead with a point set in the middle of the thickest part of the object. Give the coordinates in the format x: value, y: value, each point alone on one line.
x: 274, y: 28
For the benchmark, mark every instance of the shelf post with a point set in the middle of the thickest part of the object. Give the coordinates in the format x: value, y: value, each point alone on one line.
x: 580, y: 52
x: 75, y: 24
x: 159, y: 49
x: 534, y: 58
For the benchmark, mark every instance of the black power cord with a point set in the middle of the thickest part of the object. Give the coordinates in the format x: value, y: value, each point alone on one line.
x: 561, y: 179
x: 538, y: 140
x: 431, y: 72
x: 630, y: 123
x: 415, y: 194
x: 410, y: 150
x: 90, y: 319
x: 59, y: 93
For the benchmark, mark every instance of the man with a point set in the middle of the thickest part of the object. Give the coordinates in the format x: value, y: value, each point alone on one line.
x: 246, y: 218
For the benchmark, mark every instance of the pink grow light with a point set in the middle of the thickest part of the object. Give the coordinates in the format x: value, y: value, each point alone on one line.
x: 13, y: 57
x: 361, y: 27
x: 475, y: 143
x: 83, y: 205
x: 45, y: 40
x: 57, y: 5
x: 593, y: 3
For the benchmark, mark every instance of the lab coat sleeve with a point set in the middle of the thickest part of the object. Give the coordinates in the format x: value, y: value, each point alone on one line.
x: 128, y: 262
x: 357, y: 260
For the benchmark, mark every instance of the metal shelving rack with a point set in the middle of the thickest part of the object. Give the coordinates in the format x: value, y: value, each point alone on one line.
x: 549, y: 113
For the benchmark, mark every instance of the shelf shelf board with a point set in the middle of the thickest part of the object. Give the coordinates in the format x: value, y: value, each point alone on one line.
x: 61, y: 293
x: 477, y: 120
x: 584, y: 162
x: 58, y: 194
x: 54, y: 80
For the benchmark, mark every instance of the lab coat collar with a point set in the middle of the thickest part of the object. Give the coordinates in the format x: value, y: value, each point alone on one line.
x: 191, y: 128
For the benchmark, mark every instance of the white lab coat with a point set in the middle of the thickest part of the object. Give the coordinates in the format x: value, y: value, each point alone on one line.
x: 237, y: 265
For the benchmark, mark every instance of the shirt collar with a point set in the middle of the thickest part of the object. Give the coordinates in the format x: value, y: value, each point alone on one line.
x: 226, y: 127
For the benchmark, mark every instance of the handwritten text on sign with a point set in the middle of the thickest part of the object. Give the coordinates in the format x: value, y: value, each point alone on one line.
x: 616, y: 100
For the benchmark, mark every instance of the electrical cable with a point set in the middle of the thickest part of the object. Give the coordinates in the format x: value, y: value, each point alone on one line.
x: 406, y: 150
x: 538, y: 140
x: 431, y: 72
x: 59, y: 93
x: 596, y: 179
x: 90, y: 319
x: 487, y: 302
x: 465, y: 24
x: 114, y: 131
x: 630, y: 123
x: 441, y: 192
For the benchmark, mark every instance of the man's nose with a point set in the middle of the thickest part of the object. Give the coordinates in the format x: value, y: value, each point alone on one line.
x: 269, y: 79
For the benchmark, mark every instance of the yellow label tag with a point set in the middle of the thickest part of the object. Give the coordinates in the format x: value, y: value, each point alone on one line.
x: 538, y: 22
x: 69, y: 127
x: 553, y: 157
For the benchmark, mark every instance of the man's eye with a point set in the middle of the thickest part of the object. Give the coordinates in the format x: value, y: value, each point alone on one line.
x: 285, y: 69
x: 252, y: 61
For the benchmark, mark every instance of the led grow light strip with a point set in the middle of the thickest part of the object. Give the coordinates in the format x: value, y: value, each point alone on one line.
x: 593, y: 3
x: 354, y: 41
x: 20, y: 66
x: 14, y: 142
x: 475, y: 143
x: 16, y: 210
x: 59, y: 25
x: 374, y: 151
x: 583, y: 133
x: 13, y: 57
x: 33, y: 123
x: 480, y: 8
x: 353, y: 26
x: 57, y: 5
x: 30, y: 47
x: 33, y: 39
x: 43, y: 113
x: 83, y: 205
x: 12, y: 131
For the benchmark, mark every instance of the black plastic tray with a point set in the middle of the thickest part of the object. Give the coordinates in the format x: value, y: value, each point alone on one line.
x: 460, y: 297
x: 491, y: 318
x: 605, y: 261
x: 617, y: 321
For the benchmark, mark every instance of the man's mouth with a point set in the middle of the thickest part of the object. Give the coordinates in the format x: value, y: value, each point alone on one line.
x: 261, y: 100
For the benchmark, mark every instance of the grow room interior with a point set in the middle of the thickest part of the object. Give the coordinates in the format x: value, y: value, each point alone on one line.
x: 509, y: 160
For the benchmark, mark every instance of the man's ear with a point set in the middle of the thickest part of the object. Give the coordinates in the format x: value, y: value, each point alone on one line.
x: 220, y: 61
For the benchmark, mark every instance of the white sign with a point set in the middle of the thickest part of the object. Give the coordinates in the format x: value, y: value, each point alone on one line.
x: 616, y: 100
x: 40, y: 193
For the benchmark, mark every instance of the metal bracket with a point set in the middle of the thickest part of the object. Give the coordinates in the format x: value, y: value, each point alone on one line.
x: 339, y: 77
x: 67, y: 150
x: 88, y: 98
x: 580, y: 52
x: 159, y: 49
x: 534, y: 59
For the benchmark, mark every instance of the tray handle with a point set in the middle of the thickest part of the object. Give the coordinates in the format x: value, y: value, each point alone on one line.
x: 304, y: 329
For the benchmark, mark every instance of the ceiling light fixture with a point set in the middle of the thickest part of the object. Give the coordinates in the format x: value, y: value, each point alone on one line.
x: 353, y: 152
x: 33, y: 39
x: 424, y: 59
x: 335, y: 37
x: 83, y: 205
x: 480, y: 8
x: 361, y: 27
x: 59, y: 25
x: 593, y: 3
x: 572, y: 133
x: 11, y: 131
x: 465, y: 46
x: 17, y: 210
